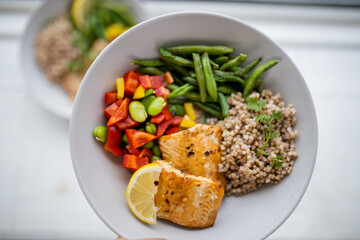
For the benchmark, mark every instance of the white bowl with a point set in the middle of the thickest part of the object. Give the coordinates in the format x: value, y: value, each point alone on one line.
x: 103, y: 181
x: 49, y: 95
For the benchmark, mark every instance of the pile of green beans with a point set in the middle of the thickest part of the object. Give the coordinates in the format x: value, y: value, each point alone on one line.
x: 205, y: 75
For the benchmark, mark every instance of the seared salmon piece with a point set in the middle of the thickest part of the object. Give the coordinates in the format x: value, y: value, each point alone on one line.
x: 185, y: 199
x: 195, y: 151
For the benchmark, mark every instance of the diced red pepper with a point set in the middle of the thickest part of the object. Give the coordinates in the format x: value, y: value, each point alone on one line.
x: 110, y: 97
x: 121, y: 113
x: 110, y: 110
x: 133, y: 162
x: 127, y: 123
x: 162, y: 92
x: 131, y: 81
x: 172, y: 130
x: 158, y: 118
x: 157, y: 81
x: 138, y: 138
x: 166, y: 113
x: 176, y: 120
x: 145, y: 81
x: 113, y: 141
x: 162, y: 127
x: 168, y: 77
x: 133, y: 151
x: 146, y: 153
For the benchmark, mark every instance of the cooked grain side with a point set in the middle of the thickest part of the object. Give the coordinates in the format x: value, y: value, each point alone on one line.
x: 242, y: 137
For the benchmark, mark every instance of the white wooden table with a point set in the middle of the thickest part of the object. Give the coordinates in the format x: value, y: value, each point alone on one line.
x: 40, y: 197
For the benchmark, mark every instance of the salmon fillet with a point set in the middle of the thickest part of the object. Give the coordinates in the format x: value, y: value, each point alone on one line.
x: 187, y: 200
x: 195, y: 151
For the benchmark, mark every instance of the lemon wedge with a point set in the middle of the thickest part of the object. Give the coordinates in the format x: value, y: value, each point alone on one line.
x: 79, y: 9
x: 141, y: 190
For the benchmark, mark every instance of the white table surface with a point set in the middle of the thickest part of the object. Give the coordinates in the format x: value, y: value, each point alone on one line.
x: 40, y: 197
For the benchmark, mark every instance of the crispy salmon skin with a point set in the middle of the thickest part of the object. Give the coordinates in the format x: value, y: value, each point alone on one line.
x: 195, y: 151
x: 186, y: 199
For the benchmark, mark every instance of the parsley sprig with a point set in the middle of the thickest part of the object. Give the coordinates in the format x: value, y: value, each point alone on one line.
x: 258, y: 105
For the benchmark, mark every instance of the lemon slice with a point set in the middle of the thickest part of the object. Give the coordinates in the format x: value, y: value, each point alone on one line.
x: 141, y: 190
x: 79, y: 9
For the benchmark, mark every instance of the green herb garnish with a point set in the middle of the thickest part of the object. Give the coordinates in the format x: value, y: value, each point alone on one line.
x: 258, y: 105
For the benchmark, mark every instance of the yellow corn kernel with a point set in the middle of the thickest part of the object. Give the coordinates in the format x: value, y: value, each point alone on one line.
x: 187, y: 122
x: 189, y: 109
x: 113, y: 31
x: 139, y: 92
x: 120, y: 88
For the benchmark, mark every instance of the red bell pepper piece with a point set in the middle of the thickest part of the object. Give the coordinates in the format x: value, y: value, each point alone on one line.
x: 162, y: 92
x: 131, y: 81
x: 162, y: 127
x: 168, y: 78
x: 138, y: 138
x: 158, y: 118
x: 113, y: 141
x: 133, y: 151
x: 176, y: 120
x: 110, y: 110
x: 133, y: 162
x: 146, y: 153
x: 121, y: 113
x: 166, y: 113
x: 172, y: 130
x: 127, y: 123
x: 157, y: 81
x: 145, y: 81
x: 110, y: 97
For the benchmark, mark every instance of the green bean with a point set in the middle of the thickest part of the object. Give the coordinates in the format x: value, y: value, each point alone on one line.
x: 154, y: 158
x: 207, y: 109
x: 156, y: 106
x: 177, y: 101
x: 169, y: 57
x: 192, y: 74
x: 233, y: 62
x: 247, y: 68
x: 227, y: 89
x: 189, y: 49
x: 137, y: 111
x: 148, y: 62
x: 125, y: 140
x: 151, y: 128
x: 209, y: 77
x: 148, y: 92
x: 147, y: 100
x: 148, y: 145
x: 213, y: 106
x: 177, y: 109
x: 193, y: 96
x: 251, y: 82
x: 235, y: 69
x: 229, y: 78
x: 199, y: 76
x: 100, y: 133
x: 179, y: 69
x: 224, y: 105
x: 222, y: 73
x: 177, y: 80
x: 156, y: 150
x: 221, y: 59
x: 150, y: 70
x: 190, y: 80
x: 206, y: 117
x: 180, y: 91
x: 259, y: 81
x: 213, y: 64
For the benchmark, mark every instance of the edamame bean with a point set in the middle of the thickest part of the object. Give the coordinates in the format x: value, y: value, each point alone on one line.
x: 100, y: 133
x: 154, y: 158
x: 148, y: 145
x: 156, y: 106
x: 125, y: 140
x: 178, y: 109
x: 156, y: 150
x: 142, y: 129
x: 137, y: 111
x: 151, y: 128
x: 147, y: 100
x: 149, y: 92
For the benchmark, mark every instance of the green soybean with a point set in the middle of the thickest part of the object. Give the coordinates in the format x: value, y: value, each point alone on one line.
x: 209, y: 77
x: 147, y: 100
x: 251, y: 82
x: 150, y: 71
x: 151, y: 128
x: 180, y: 91
x: 154, y: 158
x: 233, y: 62
x: 169, y: 57
x: 156, y: 106
x: 199, y: 76
x: 224, y: 105
x: 177, y: 109
x: 149, y: 92
x: 137, y: 111
x: 148, y: 62
x: 125, y: 140
x: 100, y: 133
x: 189, y: 49
x: 148, y: 145
x: 156, y: 150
